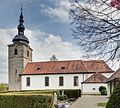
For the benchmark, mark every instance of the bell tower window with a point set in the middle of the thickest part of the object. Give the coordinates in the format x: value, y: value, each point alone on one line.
x: 15, y: 52
x: 27, y: 53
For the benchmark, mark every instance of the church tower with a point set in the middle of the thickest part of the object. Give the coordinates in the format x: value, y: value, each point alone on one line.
x: 19, y: 54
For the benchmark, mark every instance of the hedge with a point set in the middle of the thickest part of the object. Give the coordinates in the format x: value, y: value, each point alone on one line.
x: 73, y: 93
x: 26, y: 101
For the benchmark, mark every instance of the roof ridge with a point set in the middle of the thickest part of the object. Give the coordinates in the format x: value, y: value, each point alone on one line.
x: 55, y: 61
x: 91, y: 60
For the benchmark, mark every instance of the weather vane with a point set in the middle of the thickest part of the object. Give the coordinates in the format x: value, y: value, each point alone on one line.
x: 21, y: 7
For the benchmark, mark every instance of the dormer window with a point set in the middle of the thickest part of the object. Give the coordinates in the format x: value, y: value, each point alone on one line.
x: 15, y: 52
x: 38, y: 68
x: 62, y: 67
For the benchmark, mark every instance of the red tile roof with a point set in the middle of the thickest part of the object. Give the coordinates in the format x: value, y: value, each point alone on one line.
x: 96, y: 78
x: 96, y: 66
x: 115, y: 75
x: 67, y: 67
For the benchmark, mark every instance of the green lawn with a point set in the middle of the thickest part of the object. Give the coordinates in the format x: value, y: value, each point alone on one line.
x: 102, y: 104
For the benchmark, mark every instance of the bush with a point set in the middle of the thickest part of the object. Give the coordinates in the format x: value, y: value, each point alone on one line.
x: 9, y: 100
x: 3, y: 87
x: 102, y: 90
x: 73, y: 93
x: 65, y: 97
x: 114, y: 101
x: 62, y: 97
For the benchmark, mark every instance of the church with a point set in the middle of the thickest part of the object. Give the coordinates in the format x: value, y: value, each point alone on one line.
x: 24, y: 74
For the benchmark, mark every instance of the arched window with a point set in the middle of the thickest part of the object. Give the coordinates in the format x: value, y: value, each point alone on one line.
x: 15, y: 52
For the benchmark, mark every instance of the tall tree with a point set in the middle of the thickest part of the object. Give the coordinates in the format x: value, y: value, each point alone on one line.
x: 97, y: 27
x: 114, y: 100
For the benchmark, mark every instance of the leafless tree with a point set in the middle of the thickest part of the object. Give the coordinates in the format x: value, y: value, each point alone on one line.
x: 97, y: 27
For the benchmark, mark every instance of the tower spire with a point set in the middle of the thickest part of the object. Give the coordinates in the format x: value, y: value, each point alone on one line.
x: 21, y: 27
x: 20, y: 37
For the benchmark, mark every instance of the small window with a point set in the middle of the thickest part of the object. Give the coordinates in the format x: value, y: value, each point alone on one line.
x: 75, y: 80
x: 15, y: 71
x: 15, y: 52
x: 38, y: 68
x: 27, y: 53
x: 46, y: 81
x: 61, y: 81
x: 62, y: 67
x: 28, y: 81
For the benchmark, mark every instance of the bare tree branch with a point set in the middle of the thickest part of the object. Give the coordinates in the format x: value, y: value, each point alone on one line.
x: 97, y: 27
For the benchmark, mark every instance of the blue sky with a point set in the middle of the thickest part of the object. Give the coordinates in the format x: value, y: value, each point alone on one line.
x: 37, y: 15
x: 47, y: 27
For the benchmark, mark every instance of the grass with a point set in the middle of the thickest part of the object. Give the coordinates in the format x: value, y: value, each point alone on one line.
x: 102, y: 104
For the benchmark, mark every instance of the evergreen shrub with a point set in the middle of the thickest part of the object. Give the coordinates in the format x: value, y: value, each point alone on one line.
x: 73, y: 93
x: 26, y: 101
x: 114, y: 100
x: 102, y: 90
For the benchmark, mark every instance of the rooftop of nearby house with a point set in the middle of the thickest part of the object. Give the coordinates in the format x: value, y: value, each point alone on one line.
x: 115, y: 75
x: 67, y: 67
x: 96, y: 78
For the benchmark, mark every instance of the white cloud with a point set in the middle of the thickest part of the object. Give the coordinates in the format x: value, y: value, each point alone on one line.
x: 44, y: 46
x: 6, y: 38
x: 60, y: 11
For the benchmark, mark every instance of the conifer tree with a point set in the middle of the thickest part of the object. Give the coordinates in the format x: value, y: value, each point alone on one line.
x: 114, y: 101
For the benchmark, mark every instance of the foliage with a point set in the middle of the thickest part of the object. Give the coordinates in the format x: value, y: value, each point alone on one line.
x: 96, y: 27
x: 114, y: 100
x: 101, y: 104
x: 102, y: 90
x: 68, y: 94
x: 14, y: 100
x: 3, y: 87
x: 73, y: 93
x: 61, y: 98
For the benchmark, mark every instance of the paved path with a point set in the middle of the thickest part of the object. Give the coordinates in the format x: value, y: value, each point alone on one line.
x: 88, y: 101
